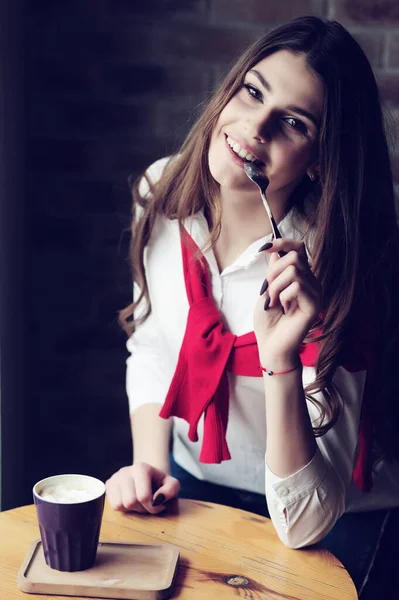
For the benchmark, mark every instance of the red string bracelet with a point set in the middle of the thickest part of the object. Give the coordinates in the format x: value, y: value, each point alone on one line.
x: 269, y: 372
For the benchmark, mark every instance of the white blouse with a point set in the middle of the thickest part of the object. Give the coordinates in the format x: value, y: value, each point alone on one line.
x: 305, y: 505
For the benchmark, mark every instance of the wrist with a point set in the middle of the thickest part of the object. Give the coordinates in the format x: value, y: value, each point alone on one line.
x: 270, y: 372
x: 280, y: 364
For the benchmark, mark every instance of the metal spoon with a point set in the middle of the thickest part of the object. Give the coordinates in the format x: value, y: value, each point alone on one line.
x: 262, y: 182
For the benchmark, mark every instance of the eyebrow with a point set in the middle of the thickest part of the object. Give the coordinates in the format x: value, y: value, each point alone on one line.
x: 297, y: 109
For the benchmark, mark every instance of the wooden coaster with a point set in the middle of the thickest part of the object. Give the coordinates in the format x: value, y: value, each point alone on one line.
x: 129, y: 571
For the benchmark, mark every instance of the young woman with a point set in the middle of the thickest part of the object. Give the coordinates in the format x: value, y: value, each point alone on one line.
x: 278, y: 369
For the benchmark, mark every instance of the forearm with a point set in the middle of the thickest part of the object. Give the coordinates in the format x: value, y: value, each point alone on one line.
x: 151, y: 436
x: 290, y: 440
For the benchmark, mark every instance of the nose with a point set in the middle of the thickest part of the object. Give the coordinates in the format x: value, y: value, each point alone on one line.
x: 259, y: 126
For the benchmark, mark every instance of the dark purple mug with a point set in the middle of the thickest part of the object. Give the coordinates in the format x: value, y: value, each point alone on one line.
x: 69, y: 511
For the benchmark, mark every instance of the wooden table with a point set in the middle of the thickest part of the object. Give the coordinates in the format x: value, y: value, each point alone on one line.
x: 224, y: 553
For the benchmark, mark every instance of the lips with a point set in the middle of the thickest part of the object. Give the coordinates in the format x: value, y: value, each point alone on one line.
x: 243, y: 151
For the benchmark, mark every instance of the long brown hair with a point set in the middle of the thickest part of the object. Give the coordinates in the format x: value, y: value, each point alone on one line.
x: 354, y: 231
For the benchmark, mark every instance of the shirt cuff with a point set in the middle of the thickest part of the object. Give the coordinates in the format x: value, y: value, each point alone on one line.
x: 297, y: 485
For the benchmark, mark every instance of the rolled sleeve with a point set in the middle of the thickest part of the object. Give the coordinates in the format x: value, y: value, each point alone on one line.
x: 298, y: 503
x: 294, y: 487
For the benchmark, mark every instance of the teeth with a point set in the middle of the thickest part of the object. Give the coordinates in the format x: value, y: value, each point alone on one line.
x: 240, y: 151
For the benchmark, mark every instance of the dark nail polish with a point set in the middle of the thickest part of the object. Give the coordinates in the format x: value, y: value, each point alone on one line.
x: 264, y: 287
x: 265, y: 247
x: 160, y: 499
x: 267, y: 302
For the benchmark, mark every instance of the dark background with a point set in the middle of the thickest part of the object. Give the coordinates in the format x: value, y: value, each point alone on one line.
x: 108, y: 87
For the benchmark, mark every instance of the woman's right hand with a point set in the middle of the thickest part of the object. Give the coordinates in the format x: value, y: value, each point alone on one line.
x: 138, y: 486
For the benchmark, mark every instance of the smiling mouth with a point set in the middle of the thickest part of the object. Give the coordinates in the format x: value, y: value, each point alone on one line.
x: 242, y: 153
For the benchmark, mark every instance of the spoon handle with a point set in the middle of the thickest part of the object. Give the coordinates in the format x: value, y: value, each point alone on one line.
x: 277, y: 234
x: 275, y: 229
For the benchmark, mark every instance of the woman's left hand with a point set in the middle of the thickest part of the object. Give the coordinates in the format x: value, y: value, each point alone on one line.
x: 294, y: 304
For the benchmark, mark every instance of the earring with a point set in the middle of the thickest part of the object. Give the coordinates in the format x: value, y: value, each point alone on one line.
x: 311, y: 176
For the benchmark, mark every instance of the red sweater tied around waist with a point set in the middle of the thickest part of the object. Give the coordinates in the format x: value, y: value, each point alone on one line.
x: 200, y: 384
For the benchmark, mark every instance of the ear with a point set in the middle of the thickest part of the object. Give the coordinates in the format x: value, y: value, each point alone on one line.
x: 313, y: 171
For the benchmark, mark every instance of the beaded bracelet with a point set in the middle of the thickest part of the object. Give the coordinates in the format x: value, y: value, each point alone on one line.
x: 269, y: 372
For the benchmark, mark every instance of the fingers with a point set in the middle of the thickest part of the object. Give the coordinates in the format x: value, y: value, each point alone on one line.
x: 121, y: 491
x: 288, y: 245
x: 293, y: 295
x: 170, y: 489
x: 282, y: 272
x: 289, y: 276
x: 141, y: 488
x: 291, y: 259
x: 146, y: 484
x: 114, y: 494
x: 129, y: 495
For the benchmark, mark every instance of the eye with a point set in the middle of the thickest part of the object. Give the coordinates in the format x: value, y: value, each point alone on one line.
x: 297, y: 125
x: 252, y: 91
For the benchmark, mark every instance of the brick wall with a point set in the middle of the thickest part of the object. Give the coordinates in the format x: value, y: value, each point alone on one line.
x: 111, y: 86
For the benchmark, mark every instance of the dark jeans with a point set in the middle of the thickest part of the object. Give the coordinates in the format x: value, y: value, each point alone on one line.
x: 365, y: 543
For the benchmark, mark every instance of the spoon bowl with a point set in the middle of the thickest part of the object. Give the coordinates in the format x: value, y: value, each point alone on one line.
x: 262, y: 181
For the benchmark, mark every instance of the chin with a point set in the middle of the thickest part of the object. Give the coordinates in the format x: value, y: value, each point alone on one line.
x: 227, y: 176
x: 229, y: 182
